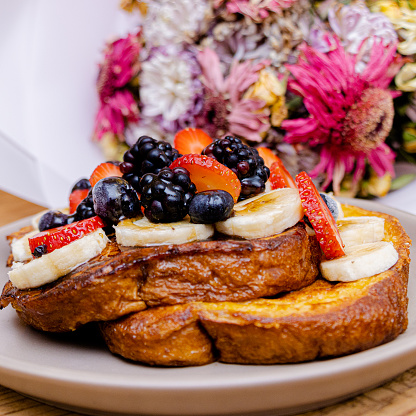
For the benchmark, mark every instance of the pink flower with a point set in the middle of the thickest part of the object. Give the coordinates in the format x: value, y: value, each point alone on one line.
x: 256, y: 10
x: 350, y: 113
x: 114, y: 112
x: 120, y: 65
x: 117, y: 105
x: 225, y: 110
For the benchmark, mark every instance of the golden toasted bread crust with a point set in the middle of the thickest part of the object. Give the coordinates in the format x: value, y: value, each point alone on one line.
x: 322, y: 320
x: 122, y: 281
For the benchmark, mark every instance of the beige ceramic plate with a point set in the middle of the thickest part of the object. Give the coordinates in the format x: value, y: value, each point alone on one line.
x: 77, y: 372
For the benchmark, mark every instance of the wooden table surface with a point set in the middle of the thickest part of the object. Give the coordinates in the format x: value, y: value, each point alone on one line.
x: 395, y: 398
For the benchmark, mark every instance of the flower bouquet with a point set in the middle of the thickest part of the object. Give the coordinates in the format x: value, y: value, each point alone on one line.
x: 329, y: 87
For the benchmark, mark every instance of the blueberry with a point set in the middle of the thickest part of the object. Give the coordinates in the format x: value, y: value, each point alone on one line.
x: 81, y: 184
x: 211, y: 206
x: 52, y: 219
x: 39, y: 251
x: 331, y: 204
x: 115, y: 199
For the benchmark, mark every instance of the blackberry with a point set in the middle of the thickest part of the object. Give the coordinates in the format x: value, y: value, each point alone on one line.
x: 85, y: 209
x: 166, y: 195
x: 244, y: 161
x: 147, y: 155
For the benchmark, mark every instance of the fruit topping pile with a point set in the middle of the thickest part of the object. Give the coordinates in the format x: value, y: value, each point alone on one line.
x: 161, y: 194
x: 199, y: 181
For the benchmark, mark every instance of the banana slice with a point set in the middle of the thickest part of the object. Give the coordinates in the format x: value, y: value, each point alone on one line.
x: 20, y: 247
x: 142, y: 232
x: 264, y: 215
x: 360, y: 230
x: 60, y: 262
x: 360, y: 261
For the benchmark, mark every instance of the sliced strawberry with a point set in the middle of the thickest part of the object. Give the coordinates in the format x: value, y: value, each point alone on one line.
x: 104, y: 170
x: 61, y: 236
x: 268, y: 156
x: 320, y: 217
x: 75, y: 198
x: 207, y: 173
x: 280, y: 177
x: 191, y: 141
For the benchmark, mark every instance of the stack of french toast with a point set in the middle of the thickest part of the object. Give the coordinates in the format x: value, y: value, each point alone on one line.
x: 229, y: 297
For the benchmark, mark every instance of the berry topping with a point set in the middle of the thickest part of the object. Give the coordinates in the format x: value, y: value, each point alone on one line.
x: 39, y: 251
x: 166, y: 196
x: 211, y: 206
x: 280, y: 177
x: 115, y: 199
x: 85, y: 209
x: 105, y: 170
x: 83, y: 183
x: 76, y: 197
x: 330, y: 203
x: 147, y: 155
x: 191, y: 141
x: 320, y: 217
x: 61, y: 236
x: 244, y: 161
x: 207, y: 173
x: 268, y: 156
x: 52, y: 219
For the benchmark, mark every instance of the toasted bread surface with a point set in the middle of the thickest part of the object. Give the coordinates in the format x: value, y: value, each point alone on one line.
x: 122, y: 281
x: 322, y: 320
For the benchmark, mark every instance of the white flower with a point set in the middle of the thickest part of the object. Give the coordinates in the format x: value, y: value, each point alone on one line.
x: 174, y: 21
x: 168, y: 86
x: 355, y: 24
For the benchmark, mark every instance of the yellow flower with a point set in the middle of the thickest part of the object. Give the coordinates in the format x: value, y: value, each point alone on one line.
x: 131, y: 5
x: 405, y: 26
x: 267, y: 88
x: 409, y: 138
x: 388, y: 7
x: 112, y: 148
x: 406, y: 78
x: 278, y: 112
x: 375, y: 185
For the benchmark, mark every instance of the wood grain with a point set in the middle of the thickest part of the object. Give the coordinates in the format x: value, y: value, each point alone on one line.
x: 395, y: 398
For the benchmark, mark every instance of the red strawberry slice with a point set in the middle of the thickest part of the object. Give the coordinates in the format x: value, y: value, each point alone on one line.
x: 61, y: 236
x: 280, y: 177
x: 320, y: 217
x: 191, y: 141
x: 268, y: 156
x: 76, y: 198
x: 207, y: 173
x: 104, y: 170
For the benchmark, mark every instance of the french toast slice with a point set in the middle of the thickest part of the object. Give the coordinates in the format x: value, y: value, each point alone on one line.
x: 324, y: 319
x: 121, y: 281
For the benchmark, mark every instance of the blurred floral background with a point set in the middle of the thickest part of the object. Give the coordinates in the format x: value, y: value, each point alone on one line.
x: 328, y: 86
